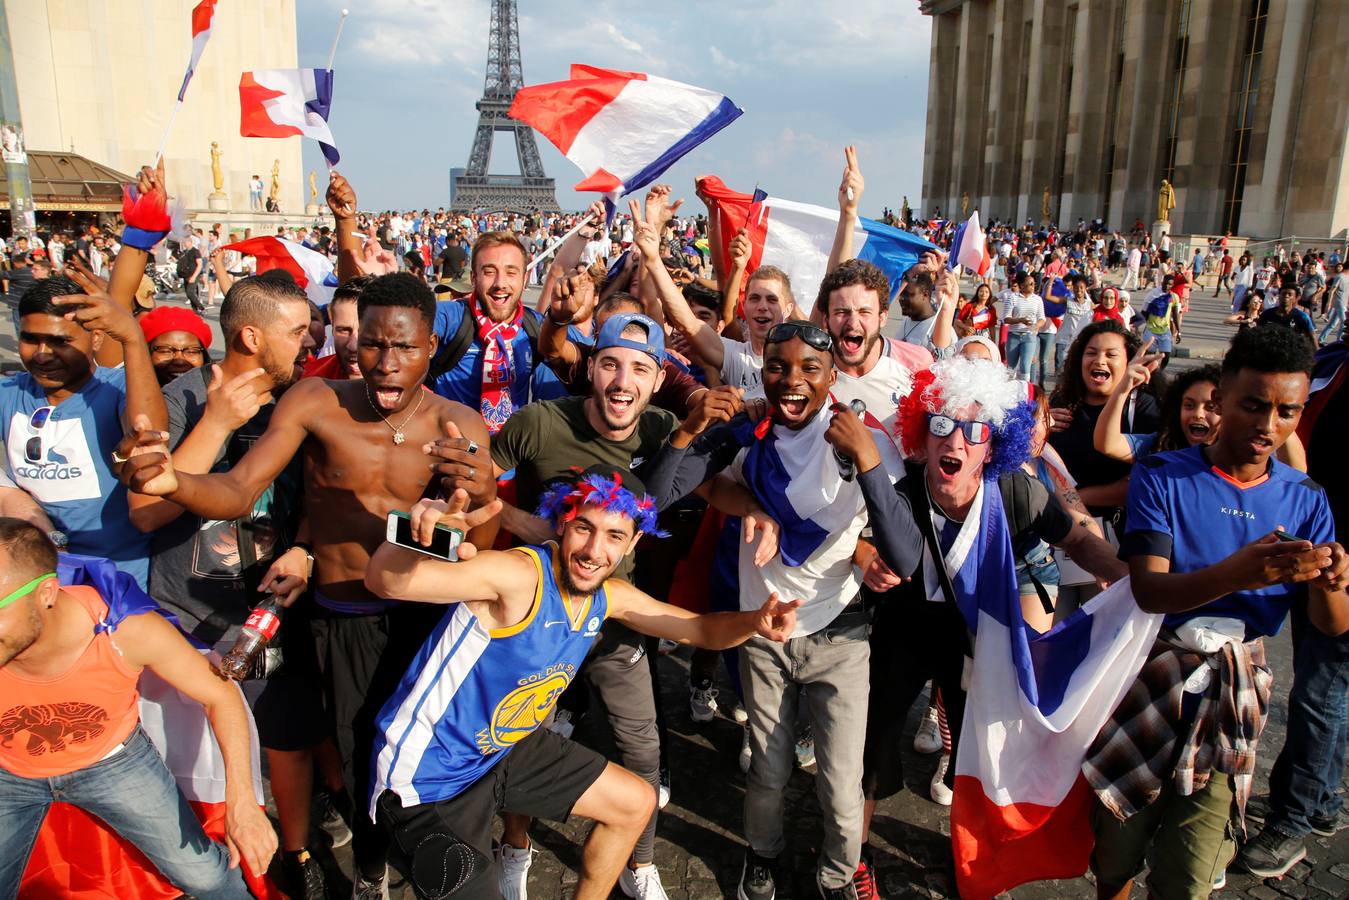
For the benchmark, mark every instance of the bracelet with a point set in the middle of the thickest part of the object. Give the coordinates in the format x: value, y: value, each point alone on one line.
x: 557, y: 323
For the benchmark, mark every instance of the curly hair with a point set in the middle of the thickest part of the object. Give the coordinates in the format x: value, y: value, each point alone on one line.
x: 848, y: 273
x: 1172, y: 436
x: 956, y: 384
x: 1265, y: 348
x: 1071, y: 390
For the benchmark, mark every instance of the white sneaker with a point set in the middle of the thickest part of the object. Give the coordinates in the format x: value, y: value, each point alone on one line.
x: 928, y: 738
x: 562, y: 723
x: 739, y: 714
x: 941, y: 794
x: 703, y: 704
x: 745, y: 754
x: 642, y: 883
x: 364, y: 889
x: 666, y: 646
x: 663, y: 792
x: 514, y: 877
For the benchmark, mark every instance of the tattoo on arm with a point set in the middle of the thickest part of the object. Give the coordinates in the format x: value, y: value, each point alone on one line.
x: 1071, y: 498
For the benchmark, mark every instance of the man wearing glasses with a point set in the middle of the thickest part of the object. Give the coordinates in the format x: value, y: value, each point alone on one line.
x: 820, y: 504
x: 178, y: 339
x: 64, y: 415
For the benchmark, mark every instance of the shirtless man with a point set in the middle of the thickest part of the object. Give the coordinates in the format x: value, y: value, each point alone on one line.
x: 364, y: 450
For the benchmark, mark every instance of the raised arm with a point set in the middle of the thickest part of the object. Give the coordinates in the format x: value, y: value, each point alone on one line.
x: 573, y: 299
x: 222, y: 274
x: 703, y: 338
x: 849, y: 198
x: 342, y: 203
x: 705, y: 443
x: 1108, y: 438
x: 741, y: 248
x: 713, y: 228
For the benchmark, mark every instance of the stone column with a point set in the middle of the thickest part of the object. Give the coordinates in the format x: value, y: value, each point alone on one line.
x: 1088, y: 119
x: 1043, y: 107
x: 1004, y: 110
x: 942, y: 76
x: 972, y: 92
x: 1149, y: 46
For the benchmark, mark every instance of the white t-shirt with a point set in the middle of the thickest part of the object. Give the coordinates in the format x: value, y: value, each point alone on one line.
x: 880, y: 389
x: 1076, y: 317
x: 1135, y: 258
x: 1027, y: 306
x: 740, y: 367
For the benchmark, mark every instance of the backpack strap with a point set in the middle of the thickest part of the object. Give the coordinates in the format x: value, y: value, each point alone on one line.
x: 454, y: 349
x: 923, y: 517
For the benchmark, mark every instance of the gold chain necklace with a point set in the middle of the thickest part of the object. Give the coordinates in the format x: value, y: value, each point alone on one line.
x: 398, y: 436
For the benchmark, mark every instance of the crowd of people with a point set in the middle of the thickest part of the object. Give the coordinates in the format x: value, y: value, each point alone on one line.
x: 666, y: 447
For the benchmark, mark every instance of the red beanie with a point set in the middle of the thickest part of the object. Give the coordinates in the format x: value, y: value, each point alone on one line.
x: 175, y: 318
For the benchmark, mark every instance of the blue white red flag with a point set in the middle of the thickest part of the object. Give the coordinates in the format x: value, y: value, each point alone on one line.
x: 622, y: 129
x: 312, y: 271
x: 1036, y: 702
x: 278, y: 103
x: 1055, y: 294
x: 1327, y: 378
x: 202, y: 14
x: 797, y: 238
x: 969, y: 247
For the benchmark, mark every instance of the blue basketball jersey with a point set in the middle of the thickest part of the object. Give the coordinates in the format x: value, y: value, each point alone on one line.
x: 472, y: 692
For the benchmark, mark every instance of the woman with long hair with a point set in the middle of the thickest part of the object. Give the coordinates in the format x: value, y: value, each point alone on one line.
x: 978, y: 315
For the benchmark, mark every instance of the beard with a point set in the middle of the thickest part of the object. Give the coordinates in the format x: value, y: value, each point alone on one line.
x: 12, y: 647
x: 281, y: 371
x: 569, y: 583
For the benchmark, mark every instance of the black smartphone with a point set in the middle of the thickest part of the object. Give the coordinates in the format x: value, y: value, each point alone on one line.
x: 1285, y: 536
x: 444, y: 544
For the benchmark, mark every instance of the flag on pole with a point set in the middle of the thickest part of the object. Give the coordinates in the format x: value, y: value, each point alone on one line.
x: 622, y: 129
x: 277, y: 103
x: 797, y: 238
x: 1035, y: 704
x: 969, y: 247
x: 202, y: 14
x: 76, y: 856
x: 312, y: 271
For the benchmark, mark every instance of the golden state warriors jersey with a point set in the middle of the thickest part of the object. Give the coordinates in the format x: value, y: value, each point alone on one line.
x: 472, y: 692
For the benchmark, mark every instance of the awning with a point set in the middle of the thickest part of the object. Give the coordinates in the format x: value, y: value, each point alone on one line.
x: 68, y: 182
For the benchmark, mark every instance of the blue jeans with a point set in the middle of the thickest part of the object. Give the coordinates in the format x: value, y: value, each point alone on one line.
x: 1021, y: 348
x: 134, y: 793
x: 1045, y: 356
x: 1335, y: 324
x: 1308, y: 770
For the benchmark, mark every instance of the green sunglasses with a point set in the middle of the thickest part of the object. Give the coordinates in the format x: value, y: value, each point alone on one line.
x: 20, y: 593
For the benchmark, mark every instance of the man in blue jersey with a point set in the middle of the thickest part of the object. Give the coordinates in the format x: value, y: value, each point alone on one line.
x: 1222, y: 539
x: 461, y: 738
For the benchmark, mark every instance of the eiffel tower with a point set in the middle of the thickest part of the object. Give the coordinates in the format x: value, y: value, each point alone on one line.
x: 475, y: 189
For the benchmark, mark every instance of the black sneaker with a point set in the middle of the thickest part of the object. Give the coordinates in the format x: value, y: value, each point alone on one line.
x: 1270, y: 854
x: 1329, y: 826
x: 1257, y: 808
x: 756, y: 880
x: 331, y: 820
x: 305, y: 876
x: 847, y: 892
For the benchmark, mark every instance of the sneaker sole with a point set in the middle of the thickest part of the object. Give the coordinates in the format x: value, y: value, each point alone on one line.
x: 702, y: 718
x: 1331, y: 832
x: 338, y: 840
x: 1280, y: 871
x: 741, y: 895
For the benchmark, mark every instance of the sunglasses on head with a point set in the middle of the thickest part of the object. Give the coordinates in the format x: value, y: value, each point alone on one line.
x: 975, y: 432
x: 813, y: 335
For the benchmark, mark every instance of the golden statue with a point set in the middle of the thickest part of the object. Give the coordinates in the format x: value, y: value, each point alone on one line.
x: 904, y: 211
x: 276, y: 181
x: 965, y: 205
x: 217, y: 175
x: 1044, y: 205
x: 313, y: 187
x: 1166, y: 201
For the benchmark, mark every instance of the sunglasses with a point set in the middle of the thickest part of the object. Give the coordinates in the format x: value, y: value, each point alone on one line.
x: 20, y: 593
x: 32, y: 451
x: 975, y: 432
x: 813, y: 335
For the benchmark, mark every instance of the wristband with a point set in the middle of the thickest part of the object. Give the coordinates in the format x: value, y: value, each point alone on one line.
x: 557, y: 323
x: 147, y: 219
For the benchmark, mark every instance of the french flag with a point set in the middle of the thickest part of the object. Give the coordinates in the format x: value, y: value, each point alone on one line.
x: 75, y: 855
x: 312, y: 271
x: 1055, y: 293
x: 797, y: 238
x: 622, y: 129
x: 969, y: 248
x: 202, y: 14
x: 277, y: 103
x: 1035, y: 704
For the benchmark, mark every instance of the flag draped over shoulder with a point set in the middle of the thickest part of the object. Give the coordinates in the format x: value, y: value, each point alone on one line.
x: 1035, y: 703
x: 797, y: 238
x: 312, y: 271
x: 277, y: 103
x: 202, y: 15
x: 622, y: 129
x: 76, y: 856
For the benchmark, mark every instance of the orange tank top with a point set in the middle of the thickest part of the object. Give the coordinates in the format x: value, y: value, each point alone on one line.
x: 54, y: 726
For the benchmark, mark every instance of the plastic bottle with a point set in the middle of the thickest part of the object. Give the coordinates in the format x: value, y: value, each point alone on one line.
x: 259, y: 628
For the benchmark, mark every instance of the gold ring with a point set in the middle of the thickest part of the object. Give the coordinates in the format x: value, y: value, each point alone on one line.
x: 119, y: 459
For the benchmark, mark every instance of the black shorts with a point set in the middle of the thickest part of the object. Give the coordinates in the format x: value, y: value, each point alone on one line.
x: 289, y: 710
x: 449, y: 842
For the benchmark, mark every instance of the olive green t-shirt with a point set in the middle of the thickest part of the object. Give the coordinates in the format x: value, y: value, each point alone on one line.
x: 546, y: 441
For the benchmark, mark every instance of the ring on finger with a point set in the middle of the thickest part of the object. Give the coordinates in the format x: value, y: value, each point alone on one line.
x: 472, y: 472
x: 472, y: 446
x: 118, y: 458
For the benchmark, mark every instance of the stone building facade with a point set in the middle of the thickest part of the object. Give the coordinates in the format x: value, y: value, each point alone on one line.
x: 1238, y: 103
x: 99, y: 79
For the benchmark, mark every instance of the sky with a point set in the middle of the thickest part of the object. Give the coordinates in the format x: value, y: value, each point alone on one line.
x: 811, y: 75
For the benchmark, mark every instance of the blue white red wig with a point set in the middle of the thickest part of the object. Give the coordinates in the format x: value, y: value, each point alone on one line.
x: 960, y: 387
x: 563, y: 500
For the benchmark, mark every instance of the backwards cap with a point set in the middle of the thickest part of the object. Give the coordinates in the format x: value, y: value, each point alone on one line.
x: 951, y: 387
x: 602, y: 486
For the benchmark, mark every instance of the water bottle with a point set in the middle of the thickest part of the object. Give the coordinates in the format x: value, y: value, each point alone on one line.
x: 846, y: 467
x: 259, y: 628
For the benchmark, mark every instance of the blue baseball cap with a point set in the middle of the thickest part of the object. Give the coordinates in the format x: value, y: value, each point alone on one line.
x: 611, y: 335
